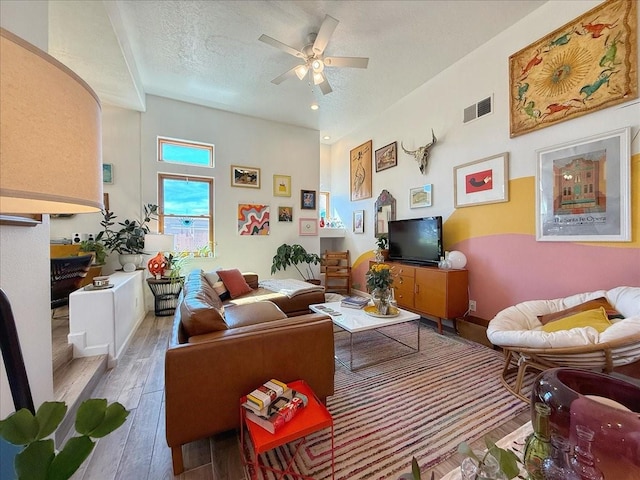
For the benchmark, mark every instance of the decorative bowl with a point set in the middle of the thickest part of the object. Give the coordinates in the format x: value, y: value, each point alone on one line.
x: 605, y: 404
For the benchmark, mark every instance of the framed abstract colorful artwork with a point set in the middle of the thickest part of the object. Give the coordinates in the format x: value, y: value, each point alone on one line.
x: 481, y: 182
x: 253, y: 219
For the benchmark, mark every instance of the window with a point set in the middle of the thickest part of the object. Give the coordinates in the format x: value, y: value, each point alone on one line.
x: 185, y: 153
x: 186, y: 211
x: 323, y: 205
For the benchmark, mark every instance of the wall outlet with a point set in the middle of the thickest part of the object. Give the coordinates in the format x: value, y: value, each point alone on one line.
x: 472, y: 305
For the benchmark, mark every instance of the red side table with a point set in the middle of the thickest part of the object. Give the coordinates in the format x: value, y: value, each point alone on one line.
x: 310, y: 419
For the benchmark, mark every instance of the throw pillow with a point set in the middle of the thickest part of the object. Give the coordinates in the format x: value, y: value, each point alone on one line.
x: 590, y: 305
x: 235, y: 282
x: 596, y: 318
x: 221, y: 290
x: 211, y: 277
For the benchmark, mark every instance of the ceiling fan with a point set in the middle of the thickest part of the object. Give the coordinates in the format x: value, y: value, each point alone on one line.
x: 313, y: 57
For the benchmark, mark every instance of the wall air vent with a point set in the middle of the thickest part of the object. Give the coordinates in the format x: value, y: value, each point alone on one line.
x: 477, y: 110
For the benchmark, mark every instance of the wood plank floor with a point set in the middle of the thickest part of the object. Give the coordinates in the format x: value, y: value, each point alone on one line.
x: 138, y: 450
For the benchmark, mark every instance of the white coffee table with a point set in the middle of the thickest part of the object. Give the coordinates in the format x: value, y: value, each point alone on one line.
x: 355, y: 320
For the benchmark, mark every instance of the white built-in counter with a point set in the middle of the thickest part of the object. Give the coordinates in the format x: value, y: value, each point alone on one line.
x: 104, y: 321
x: 326, y: 232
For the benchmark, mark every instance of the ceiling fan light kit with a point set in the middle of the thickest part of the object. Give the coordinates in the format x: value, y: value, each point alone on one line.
x: 313, y: 56
x: 301, y: 71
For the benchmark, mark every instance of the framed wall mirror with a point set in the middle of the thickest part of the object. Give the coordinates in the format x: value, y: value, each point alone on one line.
x: 385, y: 210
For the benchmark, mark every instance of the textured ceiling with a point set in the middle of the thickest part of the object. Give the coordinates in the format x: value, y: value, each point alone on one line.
x: 208, y: 53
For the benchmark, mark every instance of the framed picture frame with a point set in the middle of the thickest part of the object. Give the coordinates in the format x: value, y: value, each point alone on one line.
x: 360, y: 174
x: 285, y: 213
x: 281, y: 185
x: 107, y: 173
x: 253, y: 219
x: 420, y: 196
x: 387, y: 157
x: 358, y: 221
x: 481, y: 182
x: 583, y: 190
x: 308, y: 199
x: 308, y: 226
x: 586, y: 65
x: 248, y: 177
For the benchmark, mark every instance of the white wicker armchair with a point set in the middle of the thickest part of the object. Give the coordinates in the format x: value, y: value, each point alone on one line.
x: 519, y: 332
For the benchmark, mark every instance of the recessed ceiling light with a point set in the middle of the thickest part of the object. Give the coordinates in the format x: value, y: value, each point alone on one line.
x: 314, y: 106
x: 326, y: 137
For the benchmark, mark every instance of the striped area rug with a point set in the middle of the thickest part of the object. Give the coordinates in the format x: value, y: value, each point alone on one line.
x: 420, y: 405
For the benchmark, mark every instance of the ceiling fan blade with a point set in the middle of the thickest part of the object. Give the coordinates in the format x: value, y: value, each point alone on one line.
x: 325, y: 88
x: 281, y: 46
x: 329, y: 24
x: 285, y: 75
x: 353, y: 62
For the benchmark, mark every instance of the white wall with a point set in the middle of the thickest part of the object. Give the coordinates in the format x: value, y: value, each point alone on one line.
x: 130, y: 144
x: 439, y: 104
x: 239, y: 140
x: 24, y: 251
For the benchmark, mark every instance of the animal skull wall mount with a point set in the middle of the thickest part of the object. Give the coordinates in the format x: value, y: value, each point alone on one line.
x: 421, y: 155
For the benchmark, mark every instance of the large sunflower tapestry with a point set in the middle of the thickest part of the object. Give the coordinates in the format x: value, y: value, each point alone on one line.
x: 588, y: 64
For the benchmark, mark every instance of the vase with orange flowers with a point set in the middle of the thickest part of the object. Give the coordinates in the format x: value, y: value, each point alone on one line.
x: 379, y: 283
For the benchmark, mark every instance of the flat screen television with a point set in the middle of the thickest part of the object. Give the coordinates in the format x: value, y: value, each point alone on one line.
x: 416, y: 240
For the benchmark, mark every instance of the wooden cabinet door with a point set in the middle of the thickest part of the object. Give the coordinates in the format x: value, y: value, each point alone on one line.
x: 441, y: 293
x: 431, y: 292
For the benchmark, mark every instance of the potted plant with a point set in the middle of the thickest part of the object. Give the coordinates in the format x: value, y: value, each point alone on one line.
x: 175, y: 263
x: 98, y: 249
x: 382, y: 253
x: 128, y: 240
x: 38, y: 457
x: 294, y: 255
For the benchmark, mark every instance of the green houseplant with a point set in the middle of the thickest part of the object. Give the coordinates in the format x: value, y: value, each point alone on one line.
x: 97, y: 248
x: 129, y: 237
x: 294, y: 255
x: 38, y: 460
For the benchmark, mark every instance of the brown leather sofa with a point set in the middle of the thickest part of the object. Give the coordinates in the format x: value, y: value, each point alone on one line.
x: 219, y: 353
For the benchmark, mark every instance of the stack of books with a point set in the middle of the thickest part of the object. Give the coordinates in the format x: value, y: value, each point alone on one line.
x: 273, y: 404
x: 354, y: 302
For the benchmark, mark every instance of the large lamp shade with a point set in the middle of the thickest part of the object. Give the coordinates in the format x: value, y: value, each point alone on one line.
x: 50, y: 134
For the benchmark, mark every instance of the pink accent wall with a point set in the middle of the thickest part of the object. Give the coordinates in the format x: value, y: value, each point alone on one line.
x: 511, y: 268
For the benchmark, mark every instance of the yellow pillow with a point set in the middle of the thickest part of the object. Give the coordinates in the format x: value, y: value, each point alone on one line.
x: 596, y: 318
